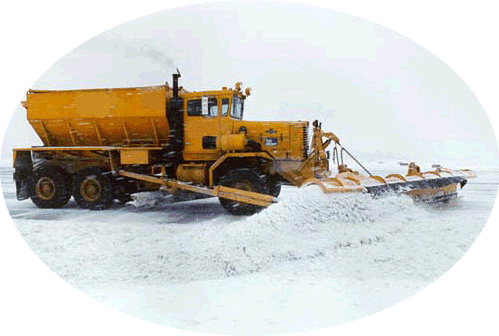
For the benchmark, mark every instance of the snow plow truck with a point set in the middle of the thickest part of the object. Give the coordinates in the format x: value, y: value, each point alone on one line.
x: 102, y: 145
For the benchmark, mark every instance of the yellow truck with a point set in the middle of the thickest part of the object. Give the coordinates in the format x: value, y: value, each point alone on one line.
x: 102, y: 145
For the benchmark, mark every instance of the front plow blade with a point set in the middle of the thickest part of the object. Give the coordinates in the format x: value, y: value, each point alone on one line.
x: 432, y: 186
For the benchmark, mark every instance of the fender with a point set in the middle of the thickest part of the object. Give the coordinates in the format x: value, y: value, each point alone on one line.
x: 226, y: 156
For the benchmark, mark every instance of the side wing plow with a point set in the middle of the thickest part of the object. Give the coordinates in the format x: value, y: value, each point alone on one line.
x: 432, y: 186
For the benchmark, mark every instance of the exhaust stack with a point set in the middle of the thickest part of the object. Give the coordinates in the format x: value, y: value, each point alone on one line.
x: 175, y: 83
x: 175, y: 117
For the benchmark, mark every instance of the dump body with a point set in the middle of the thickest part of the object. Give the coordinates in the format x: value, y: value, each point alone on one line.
x: 100, y: 117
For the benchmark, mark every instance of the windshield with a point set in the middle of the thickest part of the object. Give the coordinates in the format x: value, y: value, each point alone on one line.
x: 237, y: 108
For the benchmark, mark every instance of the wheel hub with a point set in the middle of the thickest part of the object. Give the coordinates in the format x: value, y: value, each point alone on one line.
x: 90, y: 189
x: 45, y: 188
x: 243, y: 185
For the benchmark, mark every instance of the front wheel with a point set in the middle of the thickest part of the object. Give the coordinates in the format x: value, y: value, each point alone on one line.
x: 243, y: 179
x: 274, y: 185
x: 93, y: 189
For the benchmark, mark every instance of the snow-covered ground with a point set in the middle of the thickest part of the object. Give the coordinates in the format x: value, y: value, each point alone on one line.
x: 309, y: 261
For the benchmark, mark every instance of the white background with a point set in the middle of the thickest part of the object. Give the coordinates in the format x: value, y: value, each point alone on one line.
x: 36, y: 34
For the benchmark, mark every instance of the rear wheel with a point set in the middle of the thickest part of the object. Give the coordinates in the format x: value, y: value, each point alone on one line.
x: 51, y: 187
x: 93, y: 189
x: 243, y: 179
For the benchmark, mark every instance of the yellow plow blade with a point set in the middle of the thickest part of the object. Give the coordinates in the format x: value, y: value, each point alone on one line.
x: 432, y: 186
x: 334, y: 185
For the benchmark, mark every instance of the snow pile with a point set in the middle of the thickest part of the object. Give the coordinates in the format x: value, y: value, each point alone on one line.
x: 193, y: 266
x: 160, y: 242
x: 150, y: 200
x: 305, y: 226
x: 310, y: 206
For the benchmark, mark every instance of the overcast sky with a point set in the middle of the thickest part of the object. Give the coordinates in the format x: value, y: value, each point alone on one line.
x: 382, y: 94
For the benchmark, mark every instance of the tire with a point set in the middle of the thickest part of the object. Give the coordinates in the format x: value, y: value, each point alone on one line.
x: 93, y: 189
x: 273, y: 185
x: 51, y: 187
x: 124, y: 199
x: 244, y: 179
x: 123, y: 190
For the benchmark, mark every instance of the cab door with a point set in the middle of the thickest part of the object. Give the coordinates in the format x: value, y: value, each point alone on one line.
x: 201, y: 128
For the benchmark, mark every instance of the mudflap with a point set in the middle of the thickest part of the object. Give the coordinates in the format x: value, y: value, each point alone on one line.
x: 23, y: 175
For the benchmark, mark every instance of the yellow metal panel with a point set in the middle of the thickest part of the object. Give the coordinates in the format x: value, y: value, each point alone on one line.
x: 283, y: 139
x: 198, y: 127
x: 378, y: 178
x: 232, y: 142
x: 244, y: 196
x: 396, y: 176
x: 81, y: 148
x: 431, y: 192
x: 105, y: 117
x: 134, y: 156
x: 192, y: 173
x: 228, y: 155
x: 294, y: 172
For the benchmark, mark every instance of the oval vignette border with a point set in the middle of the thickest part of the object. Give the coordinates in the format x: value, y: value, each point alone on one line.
x: 37, y: 300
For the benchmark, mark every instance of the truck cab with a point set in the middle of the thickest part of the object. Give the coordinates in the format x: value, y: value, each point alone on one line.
x: 214, y: 125
x: 208, y: 119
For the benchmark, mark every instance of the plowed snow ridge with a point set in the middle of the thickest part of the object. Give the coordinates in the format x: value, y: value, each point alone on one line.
x: 306, y: 226
x: 150, y: 257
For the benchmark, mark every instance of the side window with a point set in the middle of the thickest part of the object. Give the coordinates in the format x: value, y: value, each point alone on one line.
x: 237, y: 108
x: 212, y: 107
x: 225, y: 106
x: 195, y: 108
